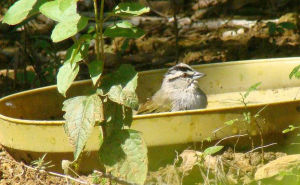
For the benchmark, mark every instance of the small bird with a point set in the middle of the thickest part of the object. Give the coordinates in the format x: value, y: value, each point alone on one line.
x: 179, y: 91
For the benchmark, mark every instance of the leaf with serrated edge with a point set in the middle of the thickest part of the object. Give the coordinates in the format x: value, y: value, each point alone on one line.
x: 124, y: 154
x: 130, y: 9
x: 95, y: 70
x: 120, y: 86
x: 18, y: 11
x: 117, y: 116
x: 82, y: 112
x: 65, y: 76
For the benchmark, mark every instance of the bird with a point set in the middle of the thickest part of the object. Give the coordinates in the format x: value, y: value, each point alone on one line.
x: 179, y: 91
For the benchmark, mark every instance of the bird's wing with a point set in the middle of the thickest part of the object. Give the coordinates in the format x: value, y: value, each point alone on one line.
x: 151, y: 106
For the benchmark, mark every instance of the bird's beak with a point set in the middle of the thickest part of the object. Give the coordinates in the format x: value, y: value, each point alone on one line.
x: 198, y: 75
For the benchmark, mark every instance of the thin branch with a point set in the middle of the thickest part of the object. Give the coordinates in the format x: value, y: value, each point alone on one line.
x: 230, y: 137
x: 261, y: 147
x: 220, y: 128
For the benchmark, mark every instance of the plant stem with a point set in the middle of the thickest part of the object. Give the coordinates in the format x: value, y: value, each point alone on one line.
x: 101, y: 32
x: 97, y: 50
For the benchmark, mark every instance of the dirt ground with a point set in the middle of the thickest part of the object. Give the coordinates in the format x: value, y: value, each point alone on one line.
x: 13, y: 172
x: 210, y: 31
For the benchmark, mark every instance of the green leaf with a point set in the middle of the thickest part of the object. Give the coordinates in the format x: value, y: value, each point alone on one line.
x: 76, y: 53
x: 117, y: 116
x: 82, y: 112
x: 85, y: 38
x: 212, y: 150
x: 272, y: 28
x: 252, y: 88
x: 70, y: 22
x: 124, y: 45
x: 288, y: 25
x: 120, y: 86
x: 295, y: 72
x: 51, y: 10
x: 231, y: 122
x: 123, y: 29
x: 65, y: 4
x: 124, y: 155
x: 208, y: 139
x: 130, y: 9
x: 18, y: 11
x: 66, y: 76
x: 279, y: 29
x: 95, y: 70
x: 290, y: 129
x: 66, y: 29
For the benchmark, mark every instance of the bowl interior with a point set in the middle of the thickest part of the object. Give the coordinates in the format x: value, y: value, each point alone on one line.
x: 222, y: 82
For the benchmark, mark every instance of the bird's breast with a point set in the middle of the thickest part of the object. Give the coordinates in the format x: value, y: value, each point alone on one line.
x: 188, y: 99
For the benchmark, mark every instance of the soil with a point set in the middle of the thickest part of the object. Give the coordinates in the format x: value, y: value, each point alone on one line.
x: 209, y: 32
x: 229, y: 168
x: 13, y: 172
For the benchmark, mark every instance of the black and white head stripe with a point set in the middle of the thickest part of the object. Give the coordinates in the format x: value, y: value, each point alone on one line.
x: 182, y: 71
x: 180, y: 67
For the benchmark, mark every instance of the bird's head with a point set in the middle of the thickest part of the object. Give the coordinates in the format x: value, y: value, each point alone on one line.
x: 182, y: 73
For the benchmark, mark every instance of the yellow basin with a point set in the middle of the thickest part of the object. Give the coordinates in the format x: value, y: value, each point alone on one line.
x: 30, y: 121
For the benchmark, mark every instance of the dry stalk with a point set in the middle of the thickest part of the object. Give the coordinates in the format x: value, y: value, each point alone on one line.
x: 239, y: 135
x: 261, y: 147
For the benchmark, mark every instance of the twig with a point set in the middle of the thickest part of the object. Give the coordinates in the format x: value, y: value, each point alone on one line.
x: 260, y: 129
x: 65, y: 176
x: 230, y: 137
x: 261, y: 147
x: 111, y: 177
x: 235, y: 144
x: 218, y: 129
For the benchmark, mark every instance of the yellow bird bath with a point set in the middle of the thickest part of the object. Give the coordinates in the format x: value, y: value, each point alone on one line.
x: 31, y: 125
